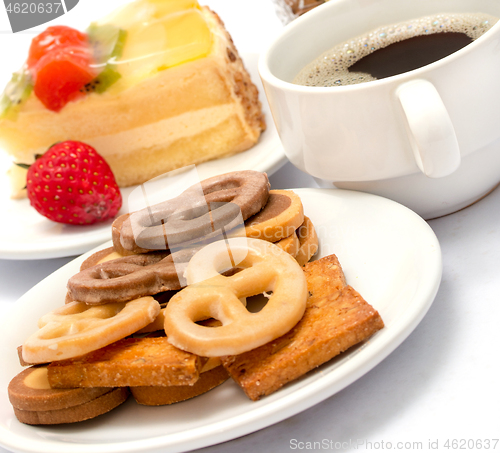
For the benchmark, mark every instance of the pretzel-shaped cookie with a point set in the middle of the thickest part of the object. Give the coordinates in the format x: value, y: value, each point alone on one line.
x: 129, y: 277
x: 76, y: 328
x: 266, y: 267
x: 279, y: 219
x: 190, y: 217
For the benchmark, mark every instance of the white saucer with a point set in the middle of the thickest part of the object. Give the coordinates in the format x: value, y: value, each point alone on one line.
x: 388, y: 253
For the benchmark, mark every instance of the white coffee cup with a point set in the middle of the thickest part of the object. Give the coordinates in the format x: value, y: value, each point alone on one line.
x: 428, y: 138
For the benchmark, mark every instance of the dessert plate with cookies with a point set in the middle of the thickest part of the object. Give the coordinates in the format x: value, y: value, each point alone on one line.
x: 275, y: 301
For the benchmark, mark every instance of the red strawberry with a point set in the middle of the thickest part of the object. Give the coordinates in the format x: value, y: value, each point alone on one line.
x: 71, y: 183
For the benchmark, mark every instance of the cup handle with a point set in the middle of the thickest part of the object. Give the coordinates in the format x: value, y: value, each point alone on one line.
x: 429, y: 129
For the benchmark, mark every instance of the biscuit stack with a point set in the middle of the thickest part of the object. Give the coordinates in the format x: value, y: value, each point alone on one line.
x: 124, y: 348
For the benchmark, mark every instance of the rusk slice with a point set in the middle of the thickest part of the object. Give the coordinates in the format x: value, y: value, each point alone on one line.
x: 128, y: 362
x: 336, y: 318
x: 186, y: 114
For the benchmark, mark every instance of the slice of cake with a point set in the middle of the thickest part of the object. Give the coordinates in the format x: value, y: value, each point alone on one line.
x: 173, y: 92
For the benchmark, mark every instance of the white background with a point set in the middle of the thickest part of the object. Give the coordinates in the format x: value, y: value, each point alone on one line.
x: 440, y: 384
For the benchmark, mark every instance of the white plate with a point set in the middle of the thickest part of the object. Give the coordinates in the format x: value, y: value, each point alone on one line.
x: 389, y: 254
x: 25, y: 234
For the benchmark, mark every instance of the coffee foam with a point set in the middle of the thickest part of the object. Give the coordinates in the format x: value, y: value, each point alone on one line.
x: 331, y: 68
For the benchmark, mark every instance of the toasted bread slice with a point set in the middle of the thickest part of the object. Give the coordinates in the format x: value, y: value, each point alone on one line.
x: 128, y: 362
x: 325, y: 278
x: 336, y: 318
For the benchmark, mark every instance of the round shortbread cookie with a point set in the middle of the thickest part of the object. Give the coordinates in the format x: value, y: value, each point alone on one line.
x: 91, y: 409
x: 308, y: 240
x: 159, y: 396
x: 281, y: 216
x: 30, y: 391
x: 290, y: 245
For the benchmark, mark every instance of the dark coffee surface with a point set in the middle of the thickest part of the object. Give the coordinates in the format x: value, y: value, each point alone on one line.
x: 394, y: 49
x: 410, y: 54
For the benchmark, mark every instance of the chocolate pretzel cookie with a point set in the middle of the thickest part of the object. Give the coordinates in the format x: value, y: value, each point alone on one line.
x: 192, y: 215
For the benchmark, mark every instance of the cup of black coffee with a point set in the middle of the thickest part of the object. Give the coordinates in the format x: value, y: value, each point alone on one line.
x: 394, y: 97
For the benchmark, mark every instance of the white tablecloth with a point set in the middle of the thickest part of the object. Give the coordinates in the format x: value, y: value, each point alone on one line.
x: 440, y: 385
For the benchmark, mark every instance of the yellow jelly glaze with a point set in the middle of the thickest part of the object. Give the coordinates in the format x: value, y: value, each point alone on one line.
x: 165, y: 33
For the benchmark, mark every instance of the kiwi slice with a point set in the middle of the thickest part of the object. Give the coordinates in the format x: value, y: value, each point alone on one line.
x: 15, y: 93
x: 107, y: 43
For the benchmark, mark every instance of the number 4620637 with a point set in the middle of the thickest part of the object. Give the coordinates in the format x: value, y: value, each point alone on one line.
x: 471, y: 444
x: 33, y: 8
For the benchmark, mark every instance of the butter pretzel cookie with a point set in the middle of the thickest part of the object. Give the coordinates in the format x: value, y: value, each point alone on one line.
x: 76, y: 328
x: 279, y: 219
x: 191, y: 217
x: 265, y: 267
x: 129, y: 277
x: 158, y: 325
